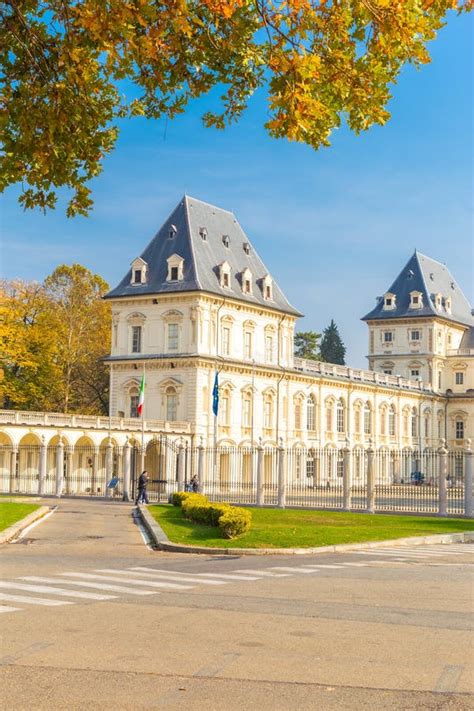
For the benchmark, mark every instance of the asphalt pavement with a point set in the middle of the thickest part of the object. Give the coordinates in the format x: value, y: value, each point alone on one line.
x: 93, y: 618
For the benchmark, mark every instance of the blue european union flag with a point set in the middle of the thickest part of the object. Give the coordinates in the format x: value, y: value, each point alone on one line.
x: 215, y: 395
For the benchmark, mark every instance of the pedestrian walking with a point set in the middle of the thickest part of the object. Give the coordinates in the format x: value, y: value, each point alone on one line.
x: 194, y: 484
x: 142, y: 497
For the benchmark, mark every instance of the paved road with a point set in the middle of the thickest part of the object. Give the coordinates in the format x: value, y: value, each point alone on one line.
x: 93, y: 618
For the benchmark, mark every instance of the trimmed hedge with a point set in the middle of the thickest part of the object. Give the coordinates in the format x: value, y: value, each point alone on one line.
x: 232, y: 521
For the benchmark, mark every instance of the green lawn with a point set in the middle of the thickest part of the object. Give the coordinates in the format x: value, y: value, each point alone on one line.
x: 291, y: 528
x: 11, y: 512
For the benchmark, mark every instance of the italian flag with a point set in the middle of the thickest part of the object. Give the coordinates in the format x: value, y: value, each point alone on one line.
x: 141, y: 397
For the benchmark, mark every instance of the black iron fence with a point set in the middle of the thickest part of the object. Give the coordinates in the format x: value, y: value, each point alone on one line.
x: 411, y: 481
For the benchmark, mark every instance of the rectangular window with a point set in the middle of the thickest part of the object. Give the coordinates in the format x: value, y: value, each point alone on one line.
x: 247, y: 344
x: 225, y: 341
x: 136, y: 339
x: 387, y: 371
x: 310, y: 467
x: 224, y: 410
x: 459, y: 378
x: 388, y: 337
x: 172, y: 336
x: 340, y: 420
x: 269, y: 349
x: 225, y: 279
x: 268, y: 415
x: 414, y: 373
x: 174, y: 273
x: 388, y: 302
x: 134, y: 406
x: 247, y: 286
x: 268, y: 292
x: 171, y: 407
x: 459, y: 429
x: 246, y: 412
x: 415, y: 336
x: 137, y: 276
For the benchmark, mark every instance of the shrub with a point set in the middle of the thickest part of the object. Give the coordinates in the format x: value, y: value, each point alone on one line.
x: 235, y: 522
x: 178, y: 497
x: 216, y: 511
x: 191, y: 501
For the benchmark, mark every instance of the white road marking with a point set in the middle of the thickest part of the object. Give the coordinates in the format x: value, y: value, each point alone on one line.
x: 55, y: 591
x: 32, y: 525
x: 323, y: 565
x: 294, y: 570
x: 95, y: 586
x: 225, y: 576
x: 33, y: 600
x: 174, y: 575
x: 356, y: 565
x: 129, y: 581
x: 262, y: 572
x: 5, y: 608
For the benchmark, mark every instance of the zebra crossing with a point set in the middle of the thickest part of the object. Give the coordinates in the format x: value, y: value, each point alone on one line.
x: 105, y: 584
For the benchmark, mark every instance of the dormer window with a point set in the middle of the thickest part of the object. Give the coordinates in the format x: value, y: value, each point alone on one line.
x: 246, y: 247
x: 247, y: 281
x: 139, y: 271
x: 416, y: 300
x: 447, y: 304
x: 224, y: 275
x: 438, y: 299
x: 203, y: 233
x: 267, y: 288
x: 172, y: 232
x: 175, y: 268
x: 389, y: 301
x: 226, y: 240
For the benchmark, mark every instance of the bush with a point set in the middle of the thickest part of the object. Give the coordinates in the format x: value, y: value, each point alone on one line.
x: 232, y: 521
x: 178, y: 497
x: 235, y: 522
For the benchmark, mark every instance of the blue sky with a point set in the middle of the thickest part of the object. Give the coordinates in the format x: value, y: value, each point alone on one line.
x: 334, y: 226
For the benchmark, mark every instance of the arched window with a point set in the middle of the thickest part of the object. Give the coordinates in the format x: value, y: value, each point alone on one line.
x: 383, y: 419
x: 340, y: 416
x: 414, y: 422
x: 367, y: 419
x: 329, y: 415
x: 268, y: 411
x: 406, y: 417
x: 311, y: 414
x: 247, y: 409
x: 391, y: 421
x: 297, y: 414
x: 171, y: 404
x: 357, y: 418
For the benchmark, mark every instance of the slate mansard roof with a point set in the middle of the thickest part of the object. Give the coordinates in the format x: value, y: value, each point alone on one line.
x: 429, y: 277
x: 202, y: 258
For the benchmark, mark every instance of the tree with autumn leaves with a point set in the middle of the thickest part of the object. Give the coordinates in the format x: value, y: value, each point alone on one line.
x: 67, y: 67
x: 52, y: 341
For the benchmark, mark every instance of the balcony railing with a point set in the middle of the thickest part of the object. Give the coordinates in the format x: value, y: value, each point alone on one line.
x: 57, y: 419
x: 358, y: 374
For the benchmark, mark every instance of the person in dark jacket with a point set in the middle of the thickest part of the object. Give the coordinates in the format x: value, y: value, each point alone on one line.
x: 194, y: 484
x: 142, y: 485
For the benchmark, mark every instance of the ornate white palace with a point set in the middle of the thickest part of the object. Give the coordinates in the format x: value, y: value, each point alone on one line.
x: 200, y: 299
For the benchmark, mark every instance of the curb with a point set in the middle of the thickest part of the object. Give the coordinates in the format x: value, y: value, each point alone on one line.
x: 13, y: 531
x: 163, y: 543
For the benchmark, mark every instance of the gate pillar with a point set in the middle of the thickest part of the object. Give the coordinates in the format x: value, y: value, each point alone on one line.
x: 59, y: 468
x: 42, y: 466
x: 370, y: 480
x: 260, y: 492
x: 347, y: 479
x: 181, y: 463
x: 468, y: 481
x: 281, y: 477
x: 126, y: 471
x: 443, y: 473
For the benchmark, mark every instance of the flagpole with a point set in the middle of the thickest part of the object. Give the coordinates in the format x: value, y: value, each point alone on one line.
x: 143, y: 421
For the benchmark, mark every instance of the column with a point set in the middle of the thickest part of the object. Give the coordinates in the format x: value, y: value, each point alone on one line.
x: 59, y: 468
x: 13, y: 467
x: 42, y: 466
x: 95, y: 469
x: 126, y: 471
x: 281, y: 477
x: 69, y: 468
x: 109, y: 466
x: 468, y: 481
x: 347, y: 479
x: 200, y: 465
x: 181, y: 464
x: 443, y: 472
x: 370, y: 480
x: 260, y: 491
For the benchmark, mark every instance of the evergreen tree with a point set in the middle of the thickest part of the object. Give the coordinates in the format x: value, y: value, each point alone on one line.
x: 332, y: 348
x: 307, y: 345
